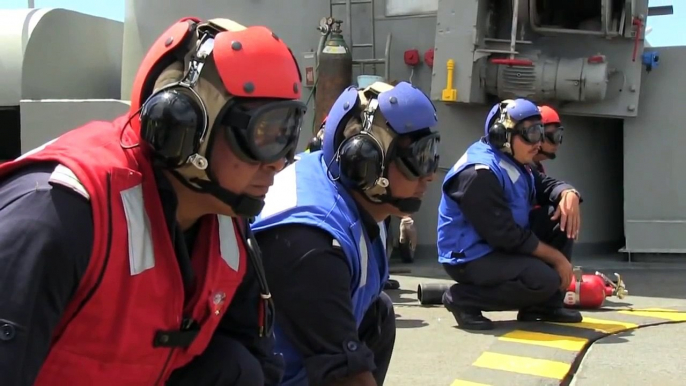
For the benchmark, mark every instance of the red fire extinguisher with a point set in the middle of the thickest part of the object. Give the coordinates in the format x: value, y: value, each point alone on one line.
x: 590, y: 290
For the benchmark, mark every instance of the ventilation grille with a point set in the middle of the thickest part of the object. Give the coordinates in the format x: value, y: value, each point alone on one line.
x: 518, y: 78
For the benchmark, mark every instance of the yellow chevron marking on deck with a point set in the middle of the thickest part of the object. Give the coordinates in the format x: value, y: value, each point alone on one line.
x: 671, y: 315
x: 523, y: 365
x: 562, y: 342
x: 459, y: 382
x: 601, y: 325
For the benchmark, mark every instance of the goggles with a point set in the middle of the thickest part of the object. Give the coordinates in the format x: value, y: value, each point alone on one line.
x: 417, y: 159
x: 554, y: 135
x: 532, y: 134
x: 420, y: 158
x: 266, y: 133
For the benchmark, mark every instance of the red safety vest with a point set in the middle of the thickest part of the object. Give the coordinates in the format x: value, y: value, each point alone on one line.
x: 132, y: 288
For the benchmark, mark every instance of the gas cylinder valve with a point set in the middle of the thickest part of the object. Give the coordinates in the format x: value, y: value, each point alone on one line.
x: 328, y: 25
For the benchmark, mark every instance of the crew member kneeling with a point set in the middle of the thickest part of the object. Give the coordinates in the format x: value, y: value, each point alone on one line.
x: 486, y: 241
x: 322, y: 234
x: 552, y: 139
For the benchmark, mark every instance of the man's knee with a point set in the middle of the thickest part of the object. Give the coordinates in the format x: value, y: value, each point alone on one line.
x: 549, y: 230
x: 541, y: 221
x: 543, y: 282
x: 225, y: 362
x: 550, y: 283
x: 386, y: 314
x: 383, y: 340
x: 378, y: 326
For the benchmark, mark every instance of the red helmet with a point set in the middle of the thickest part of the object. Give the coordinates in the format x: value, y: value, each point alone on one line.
x: 549, y: 115
x: 250, y: 62
x: 261, y: 59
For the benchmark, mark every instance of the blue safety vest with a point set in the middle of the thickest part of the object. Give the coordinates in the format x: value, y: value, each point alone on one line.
x: 458, y: 242
x: 303, y: 193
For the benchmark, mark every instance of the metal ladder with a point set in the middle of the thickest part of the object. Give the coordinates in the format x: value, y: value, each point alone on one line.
x: 348, y: 22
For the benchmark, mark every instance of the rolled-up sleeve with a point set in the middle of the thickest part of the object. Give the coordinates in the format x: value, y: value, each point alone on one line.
x: 310, y: 281
x: 549, y: 190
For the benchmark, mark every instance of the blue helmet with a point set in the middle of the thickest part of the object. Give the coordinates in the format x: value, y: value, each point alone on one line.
x: 405, y: 108
x: 516, y: 110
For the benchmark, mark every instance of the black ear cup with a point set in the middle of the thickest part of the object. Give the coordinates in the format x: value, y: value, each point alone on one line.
x: 497, y: 135
x: 360, y: 161
x: 172, y: 123
x: 314, y: 144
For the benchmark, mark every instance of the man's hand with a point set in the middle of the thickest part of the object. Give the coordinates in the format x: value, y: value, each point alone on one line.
x: 569, y: 214
x: 564, y: 269
x: 408, y: 232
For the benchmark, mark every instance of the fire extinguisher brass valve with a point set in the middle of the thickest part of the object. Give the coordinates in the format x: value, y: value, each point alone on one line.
x: 620, y: 289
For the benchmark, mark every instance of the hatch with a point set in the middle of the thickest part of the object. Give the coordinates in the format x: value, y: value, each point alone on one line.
x: 584, y: 17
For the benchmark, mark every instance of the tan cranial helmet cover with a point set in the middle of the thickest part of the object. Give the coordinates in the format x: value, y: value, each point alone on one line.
x: 379, y: 129
x: 209, y: 87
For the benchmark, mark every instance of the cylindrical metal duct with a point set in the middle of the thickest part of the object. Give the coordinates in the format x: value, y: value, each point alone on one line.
x: 549, y: 78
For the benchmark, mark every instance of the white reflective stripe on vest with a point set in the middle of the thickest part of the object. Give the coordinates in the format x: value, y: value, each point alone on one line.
x: 141, y: 252
x: 364, y: 260
x: 383, y: 233
x: 511, y: 170
x: 228, y: 243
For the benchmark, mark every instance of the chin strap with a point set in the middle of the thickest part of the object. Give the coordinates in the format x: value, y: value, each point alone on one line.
x: 551, y: 156
x: 242, y: 205
x: 406, y: 205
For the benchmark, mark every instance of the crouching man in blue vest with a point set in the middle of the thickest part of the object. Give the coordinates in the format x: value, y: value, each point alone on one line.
x: 323, y: 239
x: 486, y: 241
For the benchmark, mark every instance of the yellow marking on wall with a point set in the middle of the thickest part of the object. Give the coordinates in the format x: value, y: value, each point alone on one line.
x: 562, y: 342
x: 601, y: 325
x: 674, y: 316
x: 459, y: 382
x: 523, y: 365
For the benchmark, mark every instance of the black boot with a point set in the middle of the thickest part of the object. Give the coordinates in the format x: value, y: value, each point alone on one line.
x: 391, y: 284
x: 468, y: 318
x: 543, y: 314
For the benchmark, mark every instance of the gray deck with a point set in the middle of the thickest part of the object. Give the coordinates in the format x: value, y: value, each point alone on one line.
x: 640, y: 349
